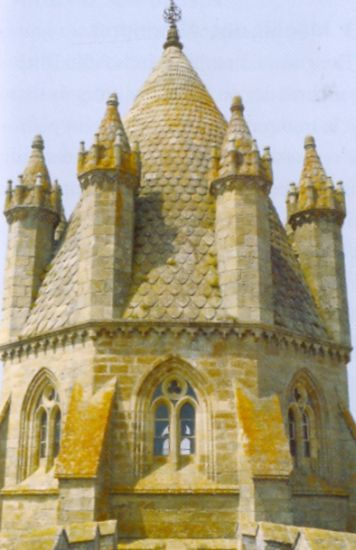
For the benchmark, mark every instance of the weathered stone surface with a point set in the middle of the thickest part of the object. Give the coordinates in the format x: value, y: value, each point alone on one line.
x: 173, y: 369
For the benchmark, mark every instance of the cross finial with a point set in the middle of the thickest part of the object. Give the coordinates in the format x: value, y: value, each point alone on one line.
x: 173, y: 14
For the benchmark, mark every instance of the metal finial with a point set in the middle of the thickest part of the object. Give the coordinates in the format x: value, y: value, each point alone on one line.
x: 173, y: 14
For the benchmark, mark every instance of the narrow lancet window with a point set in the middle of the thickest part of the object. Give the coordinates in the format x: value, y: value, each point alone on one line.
x: 292, y: 433
x: 187, y: 429
x: 43, y: 435
x: 304, y: 426
x: 161, y: 431
x: 174, y: 406
x: 57, y: 434
x: 306, y: 434
x: 40, y: 426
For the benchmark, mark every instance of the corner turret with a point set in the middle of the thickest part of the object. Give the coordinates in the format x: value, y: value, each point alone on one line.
x: 33, y: 209
x: 109, y: 175
x: 241, y: 180
x: 316, y: 211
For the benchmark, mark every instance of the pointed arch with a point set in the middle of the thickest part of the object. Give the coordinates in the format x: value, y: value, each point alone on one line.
x: 186, y: 414
x: 38, y: 423
x: 170, y: 365
x: 307, y: 379
x: 193, y: 386
x: 306, y: 403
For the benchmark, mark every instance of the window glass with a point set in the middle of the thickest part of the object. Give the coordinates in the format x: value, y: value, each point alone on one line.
x: 57, y: 434
x: 292, y: 433
x: 43, y: 434
x: 161, y: 431
x: 187, y: 429
x: 306, y: 434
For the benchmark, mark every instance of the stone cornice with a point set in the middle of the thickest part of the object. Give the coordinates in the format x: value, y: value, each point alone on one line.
x: 107, y: 179
x: 314, y: 214
x: 27, y: 491
x: 237, y: 182
x: 21, y: 212
x: 327, y: 492
x: 215, y: 490
x: 94, y: 330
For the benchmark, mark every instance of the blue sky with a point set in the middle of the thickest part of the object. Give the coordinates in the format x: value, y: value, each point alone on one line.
x: 292, y: 61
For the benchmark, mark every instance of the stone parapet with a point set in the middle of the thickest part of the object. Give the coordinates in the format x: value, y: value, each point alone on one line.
x: 75, y: 536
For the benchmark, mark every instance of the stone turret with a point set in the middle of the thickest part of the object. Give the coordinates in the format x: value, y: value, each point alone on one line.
x: 316, y: 211
x: 109, y: 175
x: 33, y: 210
x: 241, y: 180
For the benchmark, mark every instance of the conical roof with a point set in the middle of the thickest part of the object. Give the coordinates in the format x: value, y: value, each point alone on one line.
x: 111, y: 126
x: 111, y: 132
x: 313, y: 175
x: 36, y: 165
x: 176, y: 124
x: 238, y: 135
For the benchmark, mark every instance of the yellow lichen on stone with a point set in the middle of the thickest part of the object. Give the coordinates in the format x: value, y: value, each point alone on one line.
x: 36, y: 166
x: 84, y: 433
x: 111, y: 149
x: 266, y: 444
x: 316, y: 190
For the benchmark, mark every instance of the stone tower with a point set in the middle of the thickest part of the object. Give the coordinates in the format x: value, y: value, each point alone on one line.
x: 174, y: 359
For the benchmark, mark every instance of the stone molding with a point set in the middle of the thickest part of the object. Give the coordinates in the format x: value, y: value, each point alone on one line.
x: 26, y: 491
x: 238, y: 183
x: 215, y: 490
x: 94, y: 330
x: 329, y: 491
x: 107, y: 179
x: 19, y: 213
x: 314, y: 215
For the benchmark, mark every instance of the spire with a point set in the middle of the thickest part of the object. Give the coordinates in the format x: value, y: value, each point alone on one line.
x: 239, y: 152
x: 172, y: 15
x: 316, y: 191
x: 36, y: 169
x: 34, y: 186
x: 110, y: 145
x: 313, y: 170
x: 111, y: 126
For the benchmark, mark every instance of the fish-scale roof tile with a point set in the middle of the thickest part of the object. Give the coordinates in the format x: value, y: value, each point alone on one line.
x: 176, y: 123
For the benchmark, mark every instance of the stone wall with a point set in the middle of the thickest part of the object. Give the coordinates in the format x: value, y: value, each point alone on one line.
x: 215, y: 361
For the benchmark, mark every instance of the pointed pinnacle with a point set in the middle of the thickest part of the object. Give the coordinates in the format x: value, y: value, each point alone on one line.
x: 237, y: 104
x: 38, y: 143
x: 309, y: 142
x: 113, y: 100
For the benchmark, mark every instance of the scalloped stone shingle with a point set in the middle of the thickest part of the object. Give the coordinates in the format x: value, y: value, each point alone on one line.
x: 175, y: 278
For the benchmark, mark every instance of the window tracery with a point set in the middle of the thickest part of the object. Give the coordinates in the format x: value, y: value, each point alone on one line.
x: 40, y: 426
x: 48, y: 435
x: 174, y: 405
x: 303, y: 437
x: 173, y: 382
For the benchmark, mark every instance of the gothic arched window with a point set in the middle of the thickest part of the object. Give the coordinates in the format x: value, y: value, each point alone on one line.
x: 303, y: 441
x: 161, y: 430
x: 306, y: 434
x: 174, y: 405
x: 48, y: 437
x: 292, y: 432
x: 43, y: 434
x: 187, y: 429
x: 40, y: 425
x: 57, y: 433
